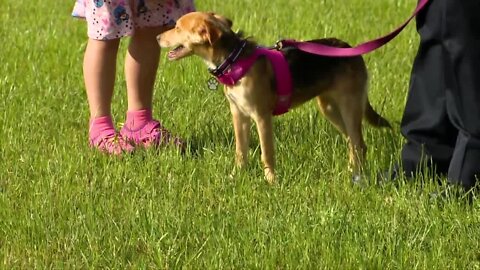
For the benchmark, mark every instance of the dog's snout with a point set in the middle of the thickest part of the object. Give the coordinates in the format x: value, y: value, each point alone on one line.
x: 161, y: 41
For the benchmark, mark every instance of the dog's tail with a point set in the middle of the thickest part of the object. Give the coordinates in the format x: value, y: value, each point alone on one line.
x: 374, y: 118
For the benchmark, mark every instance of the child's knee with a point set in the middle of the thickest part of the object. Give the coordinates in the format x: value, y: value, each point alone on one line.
x: 104, y: 45
x: 150, y: 33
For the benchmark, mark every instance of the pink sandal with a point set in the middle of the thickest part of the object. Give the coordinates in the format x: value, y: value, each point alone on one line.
x: 151, y: 134
x: 104, y: 137
x: 111, y: 144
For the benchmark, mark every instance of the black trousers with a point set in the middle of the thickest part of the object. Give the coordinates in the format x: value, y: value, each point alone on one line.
x: 441, y: 121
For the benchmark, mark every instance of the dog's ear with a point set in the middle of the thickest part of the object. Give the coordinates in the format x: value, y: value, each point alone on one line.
x: 226, y: 21
x: 210, y: 31
x: 212, y: 28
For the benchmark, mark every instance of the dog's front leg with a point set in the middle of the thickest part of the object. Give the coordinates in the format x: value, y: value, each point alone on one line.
x: 241, y: 125
x: 265, y: 132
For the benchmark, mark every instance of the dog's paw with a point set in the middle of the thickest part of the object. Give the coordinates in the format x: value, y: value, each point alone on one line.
x: 270, y: 177
x: 357, y: 179
x: 360, y: 180
x: 234, y: 173
x: 212, y: 83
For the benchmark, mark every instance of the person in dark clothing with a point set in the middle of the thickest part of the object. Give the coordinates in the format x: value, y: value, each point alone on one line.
x: 441, y: 121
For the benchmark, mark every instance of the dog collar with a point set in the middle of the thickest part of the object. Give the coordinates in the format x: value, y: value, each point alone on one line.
x: 232, y: 58
x: 233, y: 69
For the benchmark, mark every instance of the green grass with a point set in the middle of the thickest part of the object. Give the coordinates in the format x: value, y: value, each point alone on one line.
x: 65, y: 206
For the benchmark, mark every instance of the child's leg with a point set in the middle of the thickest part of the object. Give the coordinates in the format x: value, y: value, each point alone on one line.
x: 151, y: 18
x: 99, y: 73
x: 141, y: 64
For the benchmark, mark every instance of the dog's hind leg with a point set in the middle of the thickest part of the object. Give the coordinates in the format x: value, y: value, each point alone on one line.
x: 352, y: 112
x: 331, y: 111
x: 348, y: 120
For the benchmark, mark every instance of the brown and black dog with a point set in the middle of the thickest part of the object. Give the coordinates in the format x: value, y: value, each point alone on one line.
x: 339, y: 84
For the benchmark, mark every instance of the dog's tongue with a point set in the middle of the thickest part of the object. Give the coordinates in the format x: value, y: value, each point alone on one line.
x: 172, y: 54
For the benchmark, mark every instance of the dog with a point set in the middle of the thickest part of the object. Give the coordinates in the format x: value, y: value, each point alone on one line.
x: 339, y: 85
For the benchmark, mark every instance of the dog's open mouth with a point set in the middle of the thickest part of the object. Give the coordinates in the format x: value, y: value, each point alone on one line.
x: 178, y: 52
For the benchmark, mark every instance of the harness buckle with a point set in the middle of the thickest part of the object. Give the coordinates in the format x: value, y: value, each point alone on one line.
x: 279, y: 45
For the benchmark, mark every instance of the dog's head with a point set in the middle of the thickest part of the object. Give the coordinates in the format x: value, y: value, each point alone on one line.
x: 195, y: 33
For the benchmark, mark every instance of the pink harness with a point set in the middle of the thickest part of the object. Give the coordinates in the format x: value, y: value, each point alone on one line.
x: 240, y: 67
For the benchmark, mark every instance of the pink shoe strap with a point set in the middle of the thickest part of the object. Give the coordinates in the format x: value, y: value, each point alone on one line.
x: 137, y: 119
x: 100, y: 128
x: 151, y: 133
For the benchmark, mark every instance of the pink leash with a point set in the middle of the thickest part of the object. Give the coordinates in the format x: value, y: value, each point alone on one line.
x: 363, y: 48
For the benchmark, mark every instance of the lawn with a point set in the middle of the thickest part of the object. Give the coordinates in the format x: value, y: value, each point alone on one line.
x: 63, y: 205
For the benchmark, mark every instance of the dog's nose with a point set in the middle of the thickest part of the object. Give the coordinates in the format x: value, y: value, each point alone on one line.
x: 159, y: 37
